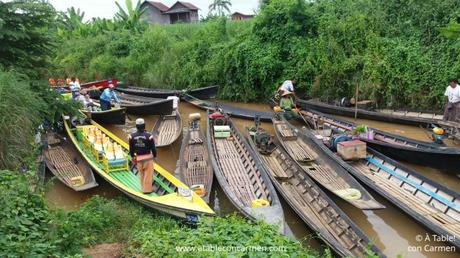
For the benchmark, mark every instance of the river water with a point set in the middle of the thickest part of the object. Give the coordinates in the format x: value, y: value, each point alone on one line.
x: 394, y: 232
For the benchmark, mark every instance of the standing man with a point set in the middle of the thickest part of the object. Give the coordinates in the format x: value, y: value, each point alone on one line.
x: 287, y: 86
x: 106, y: 98
x: 74, y: 87
x: 452, y: 94
x: 143, y: 153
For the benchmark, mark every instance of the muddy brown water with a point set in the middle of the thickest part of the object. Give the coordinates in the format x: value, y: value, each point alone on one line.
x: 394, y: 232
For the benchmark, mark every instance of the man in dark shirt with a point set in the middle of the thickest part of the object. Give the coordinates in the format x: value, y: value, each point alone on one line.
x: 143, y: 153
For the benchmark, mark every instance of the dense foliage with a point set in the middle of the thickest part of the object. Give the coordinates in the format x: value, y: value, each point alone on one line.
x: 392, y: 49
x: 29, y: 228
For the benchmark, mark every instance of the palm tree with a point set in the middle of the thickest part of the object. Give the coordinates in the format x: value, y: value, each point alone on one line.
x: 220, y: 6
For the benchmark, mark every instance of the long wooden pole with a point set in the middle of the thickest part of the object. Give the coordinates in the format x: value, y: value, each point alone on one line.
x: 356, y: 101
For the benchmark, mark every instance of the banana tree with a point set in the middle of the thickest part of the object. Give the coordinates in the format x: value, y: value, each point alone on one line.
x: 131, y: 18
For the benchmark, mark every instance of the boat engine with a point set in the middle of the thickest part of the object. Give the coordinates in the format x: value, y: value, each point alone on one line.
x: 335, y: 139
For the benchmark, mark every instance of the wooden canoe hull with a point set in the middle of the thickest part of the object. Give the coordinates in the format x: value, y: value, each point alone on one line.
x: 330, y: 175
x: 293, y: 175
x: 274, y: 213
x: 403, y: 148
x: 230, y: 110
x: 167, y: 129
x: 201, y: 93
x: 194, y: 164
x: 112, y: 116
x: 372, y: 180
x: 170, y: 203
x: 57, y: 154
x: 364, y: 114
x: 138, y: 105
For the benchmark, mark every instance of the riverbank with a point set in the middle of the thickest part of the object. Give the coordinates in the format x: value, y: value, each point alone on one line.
x: 30, y: 228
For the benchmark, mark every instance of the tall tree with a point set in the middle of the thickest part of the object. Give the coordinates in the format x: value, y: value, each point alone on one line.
x: 220, y: 6
x: 26, y: 36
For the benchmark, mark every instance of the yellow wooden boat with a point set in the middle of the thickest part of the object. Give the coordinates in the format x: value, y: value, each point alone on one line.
x: 170, y: 195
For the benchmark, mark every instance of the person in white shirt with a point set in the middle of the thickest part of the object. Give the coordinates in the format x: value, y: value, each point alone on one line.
x: 287, y: 86
x: 452, y: 94
x: 74, y: 86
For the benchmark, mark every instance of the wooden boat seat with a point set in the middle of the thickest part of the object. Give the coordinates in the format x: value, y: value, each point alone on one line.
x: 65, y: 167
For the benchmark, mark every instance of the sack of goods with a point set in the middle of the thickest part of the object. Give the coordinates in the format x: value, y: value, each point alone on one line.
x: 194, y: 116
x: 221, y: 131
x: 351, y: 150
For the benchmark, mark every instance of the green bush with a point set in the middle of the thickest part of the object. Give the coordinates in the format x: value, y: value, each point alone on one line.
x: 393, y: 50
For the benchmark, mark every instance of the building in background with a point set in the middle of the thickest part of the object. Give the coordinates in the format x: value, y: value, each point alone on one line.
x: 157, y: 12
x: 236, y: 16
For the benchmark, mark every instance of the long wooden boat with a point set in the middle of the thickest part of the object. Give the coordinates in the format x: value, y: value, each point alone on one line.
x: 167, y: 129
x: 397, y: 147
x: 431, y: 204
x: 312, y: 205
x: 194, y: 165
x: 170, y: 195
x: 316, y: 164
x: 201, y: 93
x: 425, y: 119
x: 64, y: 161
x: 230, y: 110
x: 242, y: 178
x: 138, y: 105
x: 111, y: 116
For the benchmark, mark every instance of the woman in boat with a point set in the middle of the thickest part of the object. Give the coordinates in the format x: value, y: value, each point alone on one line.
x: 288, y: 106
x: 143, y: 153
x: 452, y: 93
x: 106, y: 98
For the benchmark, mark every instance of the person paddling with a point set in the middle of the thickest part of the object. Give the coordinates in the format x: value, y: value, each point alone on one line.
x: 143, y: 153
x: 287, y: 105
x: 106, y: 98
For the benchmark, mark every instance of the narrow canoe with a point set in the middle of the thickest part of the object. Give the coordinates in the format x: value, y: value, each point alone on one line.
x: 431, y: 204
x: 169, y: 192
x: 425, y: 119
x: 316, y: 164
x: 243, y: 178
x: 194, y: 165
x: 167, y: 129
x: 138, y: 105
x: 201, y: 93
x: 64, y: 161
x: 230, y: 110
x: 111, y: 116
x: 397, y: 147
x: 313, y: 206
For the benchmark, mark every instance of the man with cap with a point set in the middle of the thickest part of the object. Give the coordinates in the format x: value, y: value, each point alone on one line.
x: 106, y: 98
x: 143, y: 153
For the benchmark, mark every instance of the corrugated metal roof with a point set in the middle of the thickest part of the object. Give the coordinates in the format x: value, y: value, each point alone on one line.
x: 158, y: 5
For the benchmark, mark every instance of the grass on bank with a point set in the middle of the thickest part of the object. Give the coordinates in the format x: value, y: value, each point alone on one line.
x: 29, y: 228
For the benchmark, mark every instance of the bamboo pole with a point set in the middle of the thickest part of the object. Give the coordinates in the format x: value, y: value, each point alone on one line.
x: 356, y: 101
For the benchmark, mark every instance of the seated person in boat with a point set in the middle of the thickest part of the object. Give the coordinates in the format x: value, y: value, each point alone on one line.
x: 288, y: 106
x: 106, y: 98
x: 452, y: 93
x: 287, y: 86
x: 74, y: 86
x: 80, y: 98
x: 143, y: 153
x: 89, y: 104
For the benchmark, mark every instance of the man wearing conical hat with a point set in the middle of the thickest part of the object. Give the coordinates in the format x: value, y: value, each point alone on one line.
x: 143, y: 153
x: 287, y: 105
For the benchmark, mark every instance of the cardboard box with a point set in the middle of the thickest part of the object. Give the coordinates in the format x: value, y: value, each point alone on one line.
x: 221, y: 131
x: 352, y: 150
